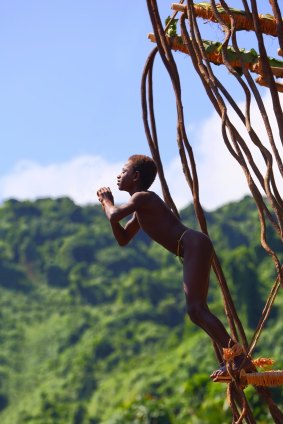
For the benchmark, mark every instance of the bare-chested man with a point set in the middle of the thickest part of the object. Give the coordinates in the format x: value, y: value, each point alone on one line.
x: 150, y: 213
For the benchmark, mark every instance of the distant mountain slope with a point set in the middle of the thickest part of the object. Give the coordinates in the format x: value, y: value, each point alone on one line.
x: 93, y: 333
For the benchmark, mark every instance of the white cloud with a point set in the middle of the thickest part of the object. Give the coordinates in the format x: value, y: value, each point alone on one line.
x: 220, y: 177
x: 78, y: 178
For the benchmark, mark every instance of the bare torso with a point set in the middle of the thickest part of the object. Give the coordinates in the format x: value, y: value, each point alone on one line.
x: 158, y: 221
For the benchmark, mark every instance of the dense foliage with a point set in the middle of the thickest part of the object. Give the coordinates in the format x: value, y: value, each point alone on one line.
x: 93, y: 333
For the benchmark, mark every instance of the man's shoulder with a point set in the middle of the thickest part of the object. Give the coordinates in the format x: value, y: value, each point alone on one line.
x: 144, y: 195
x: 142, y: 198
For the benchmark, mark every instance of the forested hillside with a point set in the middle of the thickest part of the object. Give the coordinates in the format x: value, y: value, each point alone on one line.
x: 93, y: 333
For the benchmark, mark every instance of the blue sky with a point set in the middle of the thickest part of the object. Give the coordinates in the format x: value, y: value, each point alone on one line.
x: 70, y: 108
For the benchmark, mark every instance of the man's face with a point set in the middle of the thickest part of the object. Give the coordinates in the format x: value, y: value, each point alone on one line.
x: 125, y: 179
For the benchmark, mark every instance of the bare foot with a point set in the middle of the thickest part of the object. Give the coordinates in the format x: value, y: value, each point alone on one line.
x: 220, y: 373
x: 239, y: 362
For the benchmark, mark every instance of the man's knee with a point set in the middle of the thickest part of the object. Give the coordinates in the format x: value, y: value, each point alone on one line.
x: 195, y: 312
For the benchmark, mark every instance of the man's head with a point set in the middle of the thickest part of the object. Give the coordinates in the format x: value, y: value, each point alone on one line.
x: 146, y: 167
x: 138, y: 173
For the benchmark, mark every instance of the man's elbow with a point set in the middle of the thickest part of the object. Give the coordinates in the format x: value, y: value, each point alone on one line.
x: 122, y: 242
x: 113, y: 217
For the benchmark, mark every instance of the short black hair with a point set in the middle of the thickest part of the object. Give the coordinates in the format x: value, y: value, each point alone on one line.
x: 147, y: 168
